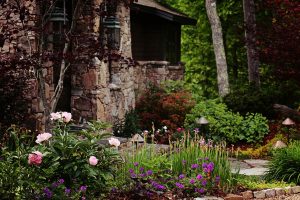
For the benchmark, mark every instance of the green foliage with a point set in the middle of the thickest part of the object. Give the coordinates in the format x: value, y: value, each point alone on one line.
x: 197, y: 151
x: 225, y: 124
x: 65, y: 156
x: 257, y: 183
x: 197, y: 49
x: 129, y: 126
x: 249, y: 99
x: 285, y: 164
x: 167, y: 166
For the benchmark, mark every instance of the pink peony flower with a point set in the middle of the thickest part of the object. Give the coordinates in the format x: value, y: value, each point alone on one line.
x: 35, y: 158
x: 66, y: 116
x: 114, y: 142
x: 93, y: 160
x: 43, y: 137
x: 55, y: 116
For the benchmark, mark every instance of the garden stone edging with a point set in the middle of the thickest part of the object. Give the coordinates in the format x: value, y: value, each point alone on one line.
x: 261, y: 194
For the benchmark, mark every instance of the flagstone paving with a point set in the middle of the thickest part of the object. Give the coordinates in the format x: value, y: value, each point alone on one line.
x: 250, y: 167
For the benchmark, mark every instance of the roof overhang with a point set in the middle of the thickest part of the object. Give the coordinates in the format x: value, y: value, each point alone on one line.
x: 166, y: 13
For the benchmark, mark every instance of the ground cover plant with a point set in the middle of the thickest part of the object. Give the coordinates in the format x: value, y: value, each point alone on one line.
x: 285, y: 164
x: 62, y: 164
x: 192, y: 167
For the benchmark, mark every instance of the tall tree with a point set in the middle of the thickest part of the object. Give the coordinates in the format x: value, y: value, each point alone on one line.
x: 250, y: 36
x: 217, y: 36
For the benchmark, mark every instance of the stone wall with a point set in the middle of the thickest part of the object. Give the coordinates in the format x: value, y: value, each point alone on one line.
x: 156, y: 72
x: 100, y: 90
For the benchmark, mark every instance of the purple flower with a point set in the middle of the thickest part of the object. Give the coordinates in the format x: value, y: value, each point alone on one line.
x: 83, y: 198
x: 131, y: 171
x: 204, y: 182
x: 218, y: 178
x: 61, y: 181
x: 202, y: 142
x: 179, y: 185
x: 158, y: 186
x: 48, y: 193
x: 196, y: 130
x: 183, y: 162
x: 83, y: 188
x: 192, y: 181
x: 67, y: 191
x: 135, y: 164
x: 149, y: 194
x: 204, y: 165
x: 133, y: 175
x: 199, y: 177
x: 199, y: 190
x: 54, y: 185
x: 141, y: 169
x: 181, y: 176
x: 149, y: 172
x: 194, y: 166
x: 142, y: 175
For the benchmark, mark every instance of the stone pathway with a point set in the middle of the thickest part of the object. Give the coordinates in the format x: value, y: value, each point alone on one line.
x: 255, y: 167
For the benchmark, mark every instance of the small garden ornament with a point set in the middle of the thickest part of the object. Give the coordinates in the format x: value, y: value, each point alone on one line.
x: 137, y: 138
x: 202, y: 121
x: 288, y: 123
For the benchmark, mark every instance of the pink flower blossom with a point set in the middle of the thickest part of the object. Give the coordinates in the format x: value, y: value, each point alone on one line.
x: 55, y: 116
x: 35, y: 158
x: 66, y: 116
x: 114, y: 142
x: 43, y: 137
x: 93, y: 160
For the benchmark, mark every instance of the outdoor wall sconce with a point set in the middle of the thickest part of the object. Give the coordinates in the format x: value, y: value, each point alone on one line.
x: 57, y: 21
x: 111, y: 27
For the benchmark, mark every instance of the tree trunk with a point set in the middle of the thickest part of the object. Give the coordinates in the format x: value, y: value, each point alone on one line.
x: 250, y: 37
x: 217, y: 36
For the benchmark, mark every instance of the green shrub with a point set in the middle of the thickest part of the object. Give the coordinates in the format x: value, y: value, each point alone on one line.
x: 285, y: 164
x: 78, y: 161
x: 250, y: 99
x: 225, y: 124
x: 129, y: 126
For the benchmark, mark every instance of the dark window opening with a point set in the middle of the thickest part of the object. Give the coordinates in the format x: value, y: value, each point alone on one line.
x: 154, y: 38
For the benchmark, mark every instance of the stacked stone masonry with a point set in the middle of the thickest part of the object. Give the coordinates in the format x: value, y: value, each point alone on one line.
x: 97, y: 92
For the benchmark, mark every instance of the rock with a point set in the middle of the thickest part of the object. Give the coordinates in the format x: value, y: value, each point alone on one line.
x: 233, y: 197
x: 259, y: 194
x: 270, y: 193
x: 288, y: 190
x: 279, y: 144
x: 247, y: 194
x: 279, y: 191
x: 208, y: 198
x: 296, y: 189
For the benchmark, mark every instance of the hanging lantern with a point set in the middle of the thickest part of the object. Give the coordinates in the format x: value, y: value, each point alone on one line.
x: 57, y: 21
x: 111, y: 27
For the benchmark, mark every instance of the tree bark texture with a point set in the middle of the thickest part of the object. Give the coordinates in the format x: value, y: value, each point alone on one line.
x: 250, y: 37
x: 217, y: 36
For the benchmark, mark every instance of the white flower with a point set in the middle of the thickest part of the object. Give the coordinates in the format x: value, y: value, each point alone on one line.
x: 43, y: 137
x: 165, y: 127
x: 114, y: 142
x: 66, y: 116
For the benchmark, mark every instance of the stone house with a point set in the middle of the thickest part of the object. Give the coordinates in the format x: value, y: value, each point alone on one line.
x: 149, y: 34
